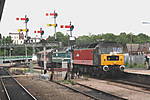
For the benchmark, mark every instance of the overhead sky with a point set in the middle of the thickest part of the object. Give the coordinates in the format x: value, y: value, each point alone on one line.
x: 88, y: 16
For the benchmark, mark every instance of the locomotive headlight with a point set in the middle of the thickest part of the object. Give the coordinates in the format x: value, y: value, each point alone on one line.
x: 121, y: 58
x: 105, y: 68
x: 105, y: 58
x: 122, y: 67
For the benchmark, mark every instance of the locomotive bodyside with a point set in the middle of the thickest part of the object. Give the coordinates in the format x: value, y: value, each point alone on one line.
x: 83, y: 56
x: 91, y: 57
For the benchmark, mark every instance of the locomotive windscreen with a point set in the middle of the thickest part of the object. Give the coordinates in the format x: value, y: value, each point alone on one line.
x: 112, y: 58
x: 111, y: 49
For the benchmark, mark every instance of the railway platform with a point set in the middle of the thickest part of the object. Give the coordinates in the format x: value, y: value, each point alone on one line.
x: 138, y: 71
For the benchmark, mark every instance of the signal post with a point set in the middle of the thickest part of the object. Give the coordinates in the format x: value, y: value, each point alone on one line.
x: 70, y: 27
x: 41, y: 31
x: 25, y: 19
x: 55, y: 24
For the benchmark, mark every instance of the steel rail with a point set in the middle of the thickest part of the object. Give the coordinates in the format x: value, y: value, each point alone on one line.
x: 90, y: 95
x: 8, y: 97
x: 18, y: 84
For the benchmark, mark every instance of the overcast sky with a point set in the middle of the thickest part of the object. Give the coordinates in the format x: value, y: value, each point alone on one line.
x: 88, y: 16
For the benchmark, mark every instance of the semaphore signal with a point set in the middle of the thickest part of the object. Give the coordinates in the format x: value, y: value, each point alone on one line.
x: 70, y: 27
x: 26, y: 29
x: 55, y: 24
x: 41, y: 31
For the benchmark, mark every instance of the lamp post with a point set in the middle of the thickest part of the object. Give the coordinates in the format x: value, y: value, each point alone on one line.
x: 10, y: 54
x: 131, y: 50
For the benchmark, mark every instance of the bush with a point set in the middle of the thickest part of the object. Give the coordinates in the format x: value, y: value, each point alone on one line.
x: 136, y: 65
x: 68, y: 82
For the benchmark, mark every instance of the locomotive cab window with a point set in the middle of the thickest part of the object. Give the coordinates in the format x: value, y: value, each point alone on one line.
x: 109, y: 49
x: 112, y: 58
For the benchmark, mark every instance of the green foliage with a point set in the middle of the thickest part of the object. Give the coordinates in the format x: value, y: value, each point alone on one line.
x: 1, y: 52
x: 60, y: 38
x: 21, y: 51
x: 122, y: 38
x: 109, y: 37
x: 84, y: 40
x: 18, y: 51
x: 136, y: 65
x: 68, y: 82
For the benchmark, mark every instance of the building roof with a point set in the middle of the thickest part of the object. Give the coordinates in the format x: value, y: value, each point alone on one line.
x: 35, y: 38
x: 14, y: 33
x: 47, y: 51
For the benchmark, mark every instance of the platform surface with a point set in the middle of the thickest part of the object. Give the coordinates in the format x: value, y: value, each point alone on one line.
x: 138, y: 71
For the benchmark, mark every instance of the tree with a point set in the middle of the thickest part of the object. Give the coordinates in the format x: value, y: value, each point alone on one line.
x: 109, y: 37
x: 142, y: 38
x: 122, y: 38
x: 60, y: 38
x: 84, y: 40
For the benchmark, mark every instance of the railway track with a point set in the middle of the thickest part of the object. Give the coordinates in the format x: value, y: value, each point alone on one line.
x: 144, y: 86
x: 12, y: 89
x: 3, y: 95
x: 137, y: 80
x: 126, y: 91
x: 91, y: 92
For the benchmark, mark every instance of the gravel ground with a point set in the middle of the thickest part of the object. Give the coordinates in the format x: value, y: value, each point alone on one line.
x: 45, y: 90
x: 125, y: 91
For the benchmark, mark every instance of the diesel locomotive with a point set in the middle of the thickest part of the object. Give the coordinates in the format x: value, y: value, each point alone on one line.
x: 99, y: 58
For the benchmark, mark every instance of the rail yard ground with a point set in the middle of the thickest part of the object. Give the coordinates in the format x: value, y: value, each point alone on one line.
x: 121, y: 90
x: 46, y: 90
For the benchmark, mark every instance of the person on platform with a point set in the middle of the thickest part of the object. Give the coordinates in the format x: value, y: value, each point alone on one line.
x: 147, y: 62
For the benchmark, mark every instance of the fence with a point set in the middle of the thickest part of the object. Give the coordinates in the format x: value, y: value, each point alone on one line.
x: 134, y: 59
